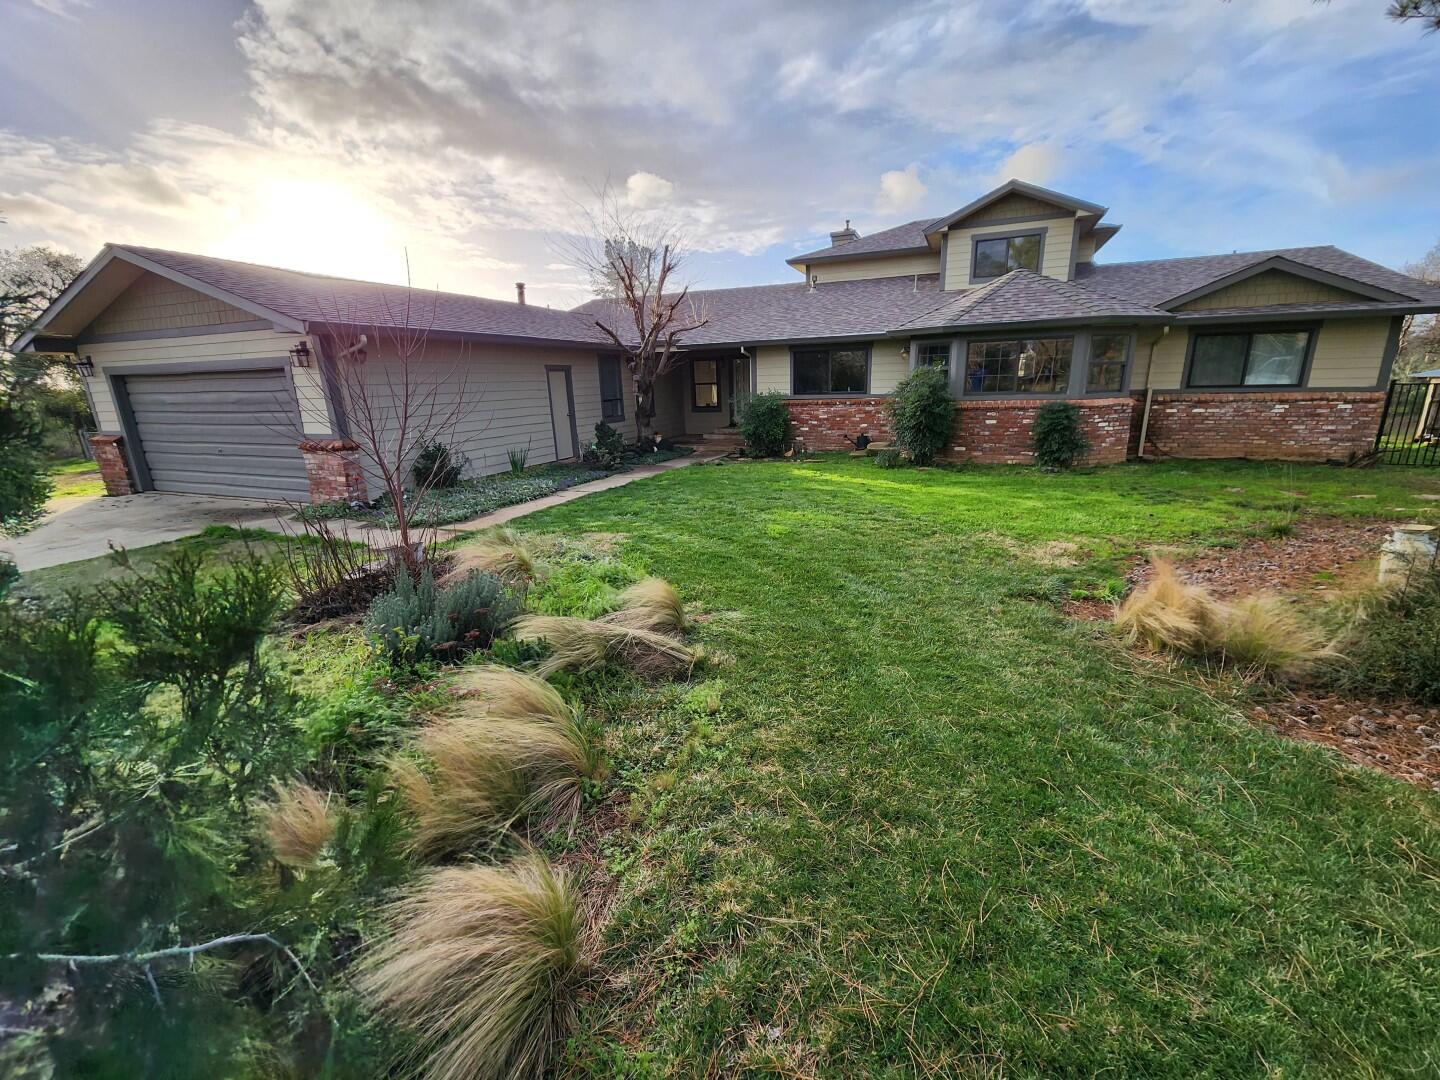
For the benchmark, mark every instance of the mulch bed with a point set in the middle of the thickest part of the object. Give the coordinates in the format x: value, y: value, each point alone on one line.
x: 1401, y: 740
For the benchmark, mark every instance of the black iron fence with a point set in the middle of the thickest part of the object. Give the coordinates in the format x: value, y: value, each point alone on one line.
x: 1410, y: 427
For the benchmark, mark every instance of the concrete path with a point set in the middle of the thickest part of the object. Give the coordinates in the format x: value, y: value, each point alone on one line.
x: 510, y: 513
x: 84, y: 526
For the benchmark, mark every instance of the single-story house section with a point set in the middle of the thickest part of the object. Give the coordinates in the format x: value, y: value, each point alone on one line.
x: 213, y: 376
x: 217, y: 376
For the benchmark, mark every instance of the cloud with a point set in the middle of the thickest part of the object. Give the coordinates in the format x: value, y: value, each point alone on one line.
x: 65, y: 9
x: 1037, y: 163
x: 644, y: 190
x: 900, y: 190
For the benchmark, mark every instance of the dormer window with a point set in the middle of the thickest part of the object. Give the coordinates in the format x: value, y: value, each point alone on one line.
x: 997, y: 255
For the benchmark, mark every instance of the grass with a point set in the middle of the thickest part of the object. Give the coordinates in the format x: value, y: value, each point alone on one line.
x: 930, y: 826
x: 75, y: 476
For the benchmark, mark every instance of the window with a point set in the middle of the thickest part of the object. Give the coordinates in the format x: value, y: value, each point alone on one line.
x: 998, y: 255
x: 934, y: 354
x: 705, y: 385
x: 1269, y: 358
x: 612, y: 389
x: 1108, y: 353
x: 1019, y: 366
x: 830, y: 371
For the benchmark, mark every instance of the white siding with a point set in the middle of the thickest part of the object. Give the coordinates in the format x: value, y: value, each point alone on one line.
x: 1055, y: 254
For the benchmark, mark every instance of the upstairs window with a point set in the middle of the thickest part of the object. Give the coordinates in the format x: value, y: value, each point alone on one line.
x: 612, y: 389
x: 705, y: 384
x: 996, y: 255
x: 1108, y: 354
x: 934, y: 354
x: 830, y: 371
x: 1269, y: 358
x: 1019, y: 366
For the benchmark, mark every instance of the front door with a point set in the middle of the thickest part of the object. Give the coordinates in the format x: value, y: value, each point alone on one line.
x: 562, y: 411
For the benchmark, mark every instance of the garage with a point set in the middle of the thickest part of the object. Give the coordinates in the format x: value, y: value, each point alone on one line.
x: 218, y: 433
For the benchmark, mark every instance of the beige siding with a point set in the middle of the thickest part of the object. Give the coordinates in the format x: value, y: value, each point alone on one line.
x: 1055, y: 254
x: 503, y: 396
x: 887, y: 366
x: 1086, y: 251
x: 890, y: 266
x: 1348, y: 353
x: 209, y: 350
x: 1168, y: 359
x: 157, y: 303
x: 772, y: 368
x: 1271, y: 287
x: 1012, y: 206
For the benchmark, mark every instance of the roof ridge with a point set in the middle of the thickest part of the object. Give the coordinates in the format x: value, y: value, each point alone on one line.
x: 1227, y: 255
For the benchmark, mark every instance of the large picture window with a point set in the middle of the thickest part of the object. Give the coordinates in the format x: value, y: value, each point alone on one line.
x: 1019, y: 366
x: 1108, y: 355
x: 705, y: 384
x: 1259, y: 358
x: 830, y: 371
x: 612, y: 389
x: 996, y: 255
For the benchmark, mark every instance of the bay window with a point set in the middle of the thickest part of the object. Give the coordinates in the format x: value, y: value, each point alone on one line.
x: 1248, y: 358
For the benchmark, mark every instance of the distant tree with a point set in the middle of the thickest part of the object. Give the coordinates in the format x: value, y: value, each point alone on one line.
x: 633, y: 261
x: 1420, y: 334
x: 1424, y: 11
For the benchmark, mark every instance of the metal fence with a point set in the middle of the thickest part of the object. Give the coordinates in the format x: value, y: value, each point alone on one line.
x: 1410, y: 427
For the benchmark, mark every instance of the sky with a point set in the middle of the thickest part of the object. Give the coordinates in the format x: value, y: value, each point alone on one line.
x: 456, y: 142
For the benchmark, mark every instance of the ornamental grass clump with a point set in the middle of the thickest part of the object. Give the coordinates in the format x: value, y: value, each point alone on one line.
x: 297, y: 823
x: 1265, y: 634
x: 513, y: 694
x: 581, y: 645
x: 650, y: 604
x: 503, y: 554
x: 480, y: 964
x: 1168, y: 614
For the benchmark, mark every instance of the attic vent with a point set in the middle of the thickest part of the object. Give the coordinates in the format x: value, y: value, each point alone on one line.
x: 847, y: 235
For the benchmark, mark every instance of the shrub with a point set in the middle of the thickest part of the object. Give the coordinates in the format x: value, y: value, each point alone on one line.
x: 1057, y: 435
x: 419, y: 620
x: 650, y: 604
x: 480, y: 964
x: 607, y: 450
x: 9, y: 575
x: 437, y: 466
x: 923, y: 412
x: 297, y: 824
x: 503, y: 554
x: 889, y: 458
x: 330, y: 574
x: 1394, y: 646
x: 581, y: 645
x: 24, y: 484
x: 765, y: 424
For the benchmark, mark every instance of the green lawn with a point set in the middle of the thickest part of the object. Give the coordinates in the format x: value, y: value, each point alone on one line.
x: 923, y: 824
x: 75, y: 476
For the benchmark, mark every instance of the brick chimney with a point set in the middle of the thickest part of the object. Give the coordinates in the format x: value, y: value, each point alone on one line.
x: 520, y: 292
x: 847, y: 235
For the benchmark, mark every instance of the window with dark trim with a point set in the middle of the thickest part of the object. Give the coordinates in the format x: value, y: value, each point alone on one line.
x: 839, y: 370
x: 1248, y: 358
x: 1018, y: 366
x: 934, y: 354
x: 996, y: 255
x: 612, y: 389
x: 705, y: 385
x: 1108, y: 356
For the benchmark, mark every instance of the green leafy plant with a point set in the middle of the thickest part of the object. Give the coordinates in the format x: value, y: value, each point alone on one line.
x: 607, y: 450
x: 890, y: 458
x: 419, y: 620
x: 24, y: 483
x: 437, y: 466
x: 1057, y: 435
x: 9, y: 575
x: 765, y: 424
x: 1393, y: 644
x: 517, y: 456
x: 922, y: 410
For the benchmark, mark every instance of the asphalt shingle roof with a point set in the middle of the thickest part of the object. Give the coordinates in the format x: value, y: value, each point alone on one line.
x: 1023, y: 296
x: 321, y: 300
x: 907, y: 237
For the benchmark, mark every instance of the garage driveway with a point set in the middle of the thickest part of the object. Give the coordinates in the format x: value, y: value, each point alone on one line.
x: 84, y: 527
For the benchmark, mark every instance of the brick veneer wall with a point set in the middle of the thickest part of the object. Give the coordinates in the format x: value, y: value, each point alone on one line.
x: 1294, y: 425
x: 333, y: 468
x: 824, y: 424
x: 114, y: 469
x: 998, y: 431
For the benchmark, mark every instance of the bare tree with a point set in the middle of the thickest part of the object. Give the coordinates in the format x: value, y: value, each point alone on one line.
x: 1420, y: 334
x: 633, y: 260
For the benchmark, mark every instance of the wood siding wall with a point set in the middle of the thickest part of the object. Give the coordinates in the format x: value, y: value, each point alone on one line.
x: 1271, y: 287
x: 887, y: 366
x: 157, y: 303
x: 1055, y: 257
x: 1348, y: 354
x: 889, y: 266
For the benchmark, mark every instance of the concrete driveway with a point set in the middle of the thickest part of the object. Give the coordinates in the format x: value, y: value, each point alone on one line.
x: 84, y: 527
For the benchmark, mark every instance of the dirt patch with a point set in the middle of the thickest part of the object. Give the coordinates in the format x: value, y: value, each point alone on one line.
x: 1401, y: 740
x: 1321, y: 555
x: 1088, y: 610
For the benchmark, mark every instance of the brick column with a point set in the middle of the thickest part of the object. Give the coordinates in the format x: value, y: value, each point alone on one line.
x: 114, y: 469
x: 333, y: 467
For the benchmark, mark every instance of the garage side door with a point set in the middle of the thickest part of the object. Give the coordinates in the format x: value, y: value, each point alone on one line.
x: 220, y: 433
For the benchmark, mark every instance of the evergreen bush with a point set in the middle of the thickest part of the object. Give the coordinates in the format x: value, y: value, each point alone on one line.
x: 419, y: 620
x: 765, y: 424
x: 437, y: 466
x: 1057, y: 435
x: 923, y: 411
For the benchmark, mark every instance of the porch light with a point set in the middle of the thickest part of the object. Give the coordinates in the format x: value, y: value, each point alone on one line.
x: 300, y: 355
x: 85, y: 367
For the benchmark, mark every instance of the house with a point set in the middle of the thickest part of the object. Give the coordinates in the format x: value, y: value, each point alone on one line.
x: 207, y: 374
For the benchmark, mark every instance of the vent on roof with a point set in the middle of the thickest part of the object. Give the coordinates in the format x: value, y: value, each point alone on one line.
x: 520, y: 292
x: 847, y: 235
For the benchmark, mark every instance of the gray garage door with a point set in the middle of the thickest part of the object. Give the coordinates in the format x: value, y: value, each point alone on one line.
x: 220, y: 433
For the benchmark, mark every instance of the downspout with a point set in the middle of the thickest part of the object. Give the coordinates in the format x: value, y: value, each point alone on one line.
x: 1149, y: 392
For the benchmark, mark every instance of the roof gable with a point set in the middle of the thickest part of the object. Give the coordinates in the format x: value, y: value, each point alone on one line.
x: 1280, y: 275
x: 1025, y: 200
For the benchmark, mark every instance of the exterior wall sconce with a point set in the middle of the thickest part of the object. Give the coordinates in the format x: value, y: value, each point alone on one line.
x: 84, y: 367
x: 300, y: 355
